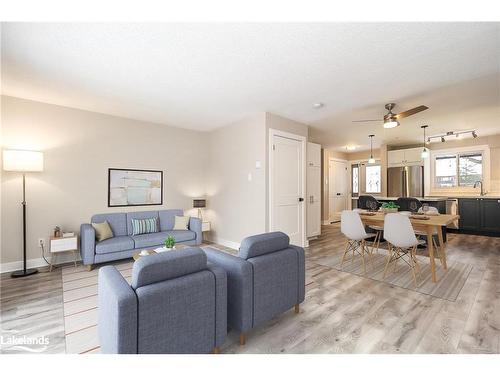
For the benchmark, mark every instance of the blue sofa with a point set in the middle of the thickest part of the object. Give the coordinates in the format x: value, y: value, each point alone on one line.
x: 176, y: 304
x: 124, y: 245
x: 266, y: 279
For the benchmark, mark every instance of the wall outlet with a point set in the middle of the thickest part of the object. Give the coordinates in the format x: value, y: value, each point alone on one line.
x: 41, y: 242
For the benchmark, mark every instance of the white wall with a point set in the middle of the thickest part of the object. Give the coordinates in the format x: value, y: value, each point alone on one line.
x: 236, y: 206
x: 79, y: 147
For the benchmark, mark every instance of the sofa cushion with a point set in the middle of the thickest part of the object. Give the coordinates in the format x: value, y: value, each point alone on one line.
x: 166, y: 266
x: 114, y: 244
x: 139, y: 215
x: 181, y: 235
x: 157, y: 239
x: 117, y: 222
x: 261, y: 244
x: 149, y: 239
x: 167, y: 218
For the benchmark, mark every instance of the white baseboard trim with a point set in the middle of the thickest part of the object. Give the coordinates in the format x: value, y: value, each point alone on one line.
x: 227, y: 243
x: 36, y: 263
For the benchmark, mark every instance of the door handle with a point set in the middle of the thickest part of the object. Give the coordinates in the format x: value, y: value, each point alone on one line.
x: 301, y: 199
x: 338, y: 193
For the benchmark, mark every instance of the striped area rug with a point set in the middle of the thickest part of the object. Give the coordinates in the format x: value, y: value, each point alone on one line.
x: 80, y: 303
x: 450, y: 281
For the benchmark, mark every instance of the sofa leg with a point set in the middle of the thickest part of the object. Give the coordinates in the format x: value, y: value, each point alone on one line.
x: 297, y: 308
x: 243, y: 339
x: 89, y: 267
x: 216, y: 350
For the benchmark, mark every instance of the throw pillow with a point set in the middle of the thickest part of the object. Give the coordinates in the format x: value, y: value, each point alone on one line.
x: 181, y: 222
x: 142, y: 226
x: 102, y: 231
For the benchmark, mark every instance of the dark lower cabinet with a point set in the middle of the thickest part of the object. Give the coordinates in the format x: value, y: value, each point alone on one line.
x: 490, y: 215
x: 481, y: 215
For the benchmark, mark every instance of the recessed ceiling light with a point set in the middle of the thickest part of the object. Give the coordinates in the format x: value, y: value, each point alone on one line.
x: 318, y: 105
x: 350, y: 147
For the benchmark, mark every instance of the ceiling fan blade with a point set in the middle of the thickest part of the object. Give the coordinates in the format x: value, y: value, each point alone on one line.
x: 366, y: 120
x: 412, y: 111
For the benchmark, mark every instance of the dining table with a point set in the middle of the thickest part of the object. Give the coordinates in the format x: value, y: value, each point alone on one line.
x: 429, y: 224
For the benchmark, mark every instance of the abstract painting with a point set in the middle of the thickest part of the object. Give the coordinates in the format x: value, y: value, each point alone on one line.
x: 134, y: 187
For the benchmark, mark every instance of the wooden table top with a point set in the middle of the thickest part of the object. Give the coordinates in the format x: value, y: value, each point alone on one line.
x: 441, y: 220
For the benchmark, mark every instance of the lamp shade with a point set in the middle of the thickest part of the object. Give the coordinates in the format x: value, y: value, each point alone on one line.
x: 199, y: 203
x: 22, y: 161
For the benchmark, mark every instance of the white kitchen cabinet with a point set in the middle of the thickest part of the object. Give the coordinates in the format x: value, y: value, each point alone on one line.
x: 410, y: 156
x: 313, y: 198
x: 313, y: 155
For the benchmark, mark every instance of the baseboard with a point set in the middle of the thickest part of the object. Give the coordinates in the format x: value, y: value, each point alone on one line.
x: 36, y: 263
x: 227, y: 243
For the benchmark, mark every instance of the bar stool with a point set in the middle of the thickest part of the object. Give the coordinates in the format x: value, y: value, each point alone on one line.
x: 352, y: 227
x: 399, y: 234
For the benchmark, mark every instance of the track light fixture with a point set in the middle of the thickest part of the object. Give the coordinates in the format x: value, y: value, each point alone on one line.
x: 454, y: 134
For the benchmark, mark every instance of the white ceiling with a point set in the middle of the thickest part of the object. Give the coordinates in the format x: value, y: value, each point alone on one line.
x: 203, y: 76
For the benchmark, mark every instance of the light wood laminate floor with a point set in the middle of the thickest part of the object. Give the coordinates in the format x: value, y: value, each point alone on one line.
x: 342, y: 313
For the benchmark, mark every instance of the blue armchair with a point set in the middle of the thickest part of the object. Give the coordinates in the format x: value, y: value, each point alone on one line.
x: 265, y: 280
x: 176, y: 303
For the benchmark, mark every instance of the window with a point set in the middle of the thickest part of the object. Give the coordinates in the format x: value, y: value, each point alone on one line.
x: 470, y: 169
x: 446, y: 171
x: 355, y: 180
x: 373, y: 178
x: 458, y: 170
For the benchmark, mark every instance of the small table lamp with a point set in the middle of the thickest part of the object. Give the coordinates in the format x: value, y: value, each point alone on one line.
x: 23, y: 161
x: 199, y: 204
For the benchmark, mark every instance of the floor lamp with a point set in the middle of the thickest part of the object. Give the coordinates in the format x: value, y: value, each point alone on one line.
x: 23, y: 161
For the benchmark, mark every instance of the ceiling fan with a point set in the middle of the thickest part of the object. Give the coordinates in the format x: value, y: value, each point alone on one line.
x: 391, y: 119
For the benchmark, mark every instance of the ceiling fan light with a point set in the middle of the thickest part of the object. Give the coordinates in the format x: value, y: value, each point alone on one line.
x: 391, y: 124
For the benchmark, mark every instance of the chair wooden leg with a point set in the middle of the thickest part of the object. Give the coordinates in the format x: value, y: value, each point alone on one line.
x: 297, y: 308
x: 416, y: 261
x: 216, y: 350
x: 362, y: 245
x: 379, y: 237
x: 389, y: 257
x: 345, y: 253
x: 412, y: 266
x: 396, y: 259
x: 243, y: 339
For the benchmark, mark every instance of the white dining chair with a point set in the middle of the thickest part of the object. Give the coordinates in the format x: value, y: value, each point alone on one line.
x: 352, y: 227
x: 400, y: 236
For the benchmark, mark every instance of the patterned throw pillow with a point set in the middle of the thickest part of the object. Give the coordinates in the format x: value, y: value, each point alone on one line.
x: 143, y: 226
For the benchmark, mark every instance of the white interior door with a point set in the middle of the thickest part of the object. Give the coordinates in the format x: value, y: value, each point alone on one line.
x: 287, y: 188
x: 338, y: 185
x: 313, y: 201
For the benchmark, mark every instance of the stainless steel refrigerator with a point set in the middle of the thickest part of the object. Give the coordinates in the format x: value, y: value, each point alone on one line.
x: 405, y: 181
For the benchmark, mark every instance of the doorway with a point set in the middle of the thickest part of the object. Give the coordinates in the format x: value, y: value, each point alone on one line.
x: 287, y: 185
x: 337, y: 188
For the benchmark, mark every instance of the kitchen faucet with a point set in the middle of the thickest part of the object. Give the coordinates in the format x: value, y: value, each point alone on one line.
x: 480, y: 182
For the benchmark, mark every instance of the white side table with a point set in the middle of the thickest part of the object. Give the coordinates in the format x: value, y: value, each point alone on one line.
x: 60, y: 245
x: 205, y: 227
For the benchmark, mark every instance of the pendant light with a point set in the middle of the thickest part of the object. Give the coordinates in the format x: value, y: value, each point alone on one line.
x: 371, y: 160
x: 425, y: 151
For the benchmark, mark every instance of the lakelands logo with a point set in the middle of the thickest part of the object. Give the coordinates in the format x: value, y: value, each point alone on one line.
x: 20, y: 342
